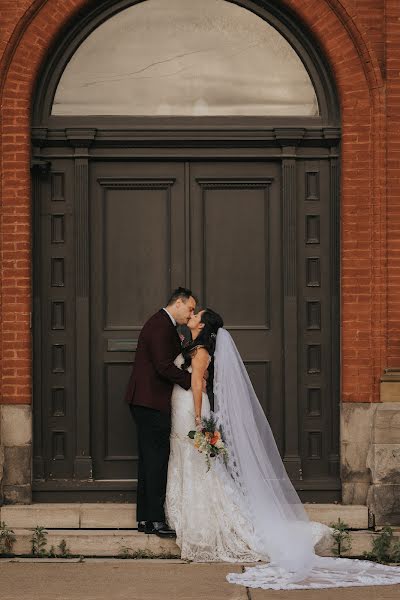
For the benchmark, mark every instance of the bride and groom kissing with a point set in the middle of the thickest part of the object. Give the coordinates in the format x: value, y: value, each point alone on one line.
x: 242, y: 511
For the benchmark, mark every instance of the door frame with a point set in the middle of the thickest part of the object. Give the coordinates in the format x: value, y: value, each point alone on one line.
x: 82, y: 486
x: 85, y: 139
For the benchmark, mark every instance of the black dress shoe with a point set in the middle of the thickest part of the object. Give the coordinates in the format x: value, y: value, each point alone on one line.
x: 141, y: 526
x: 160, y: 528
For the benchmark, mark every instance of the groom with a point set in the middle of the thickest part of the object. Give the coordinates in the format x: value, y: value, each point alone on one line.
x: 149, y: 396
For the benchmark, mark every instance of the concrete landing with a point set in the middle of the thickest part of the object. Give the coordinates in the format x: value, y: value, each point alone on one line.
x: 148, y: 580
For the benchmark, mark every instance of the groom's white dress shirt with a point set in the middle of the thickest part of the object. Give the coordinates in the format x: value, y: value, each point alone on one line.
x: 171, y: 317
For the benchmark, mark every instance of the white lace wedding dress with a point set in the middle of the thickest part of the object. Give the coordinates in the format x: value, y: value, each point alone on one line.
x: 213, y: 522
x: 204, y: 507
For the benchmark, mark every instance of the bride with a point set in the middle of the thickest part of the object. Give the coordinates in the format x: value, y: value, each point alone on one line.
x: 247, y: 511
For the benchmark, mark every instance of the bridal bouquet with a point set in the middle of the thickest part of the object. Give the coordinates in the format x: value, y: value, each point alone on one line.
x: 208, y: 440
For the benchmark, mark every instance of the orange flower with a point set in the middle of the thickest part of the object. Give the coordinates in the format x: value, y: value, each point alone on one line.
x: 215, y: 438
x: 208, y: 435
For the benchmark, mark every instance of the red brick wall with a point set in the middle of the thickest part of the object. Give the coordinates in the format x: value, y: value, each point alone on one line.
x: 392, y: 51
x: 371, y: 15
x: 360, y: 39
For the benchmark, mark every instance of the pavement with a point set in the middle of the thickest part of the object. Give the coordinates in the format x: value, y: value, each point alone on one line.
x: 117, y: 579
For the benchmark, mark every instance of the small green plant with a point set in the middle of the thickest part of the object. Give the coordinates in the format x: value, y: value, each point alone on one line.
x: 39, y: 541
x: 341, y: 538
x: 396, y: 552
x: 384, y: 548
x: 381, y: 544
x: 7, y: 539
x: 64, y: 550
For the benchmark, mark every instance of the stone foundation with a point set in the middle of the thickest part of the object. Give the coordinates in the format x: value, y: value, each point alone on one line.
x: 15, y: 454
x: 356, y: 435
x: 370, y: 457
x: 384, y: 463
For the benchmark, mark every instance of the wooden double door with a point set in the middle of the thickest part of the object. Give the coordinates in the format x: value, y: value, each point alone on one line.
x: 252, y: 239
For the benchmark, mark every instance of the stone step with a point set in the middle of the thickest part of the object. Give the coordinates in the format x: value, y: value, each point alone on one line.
x: 123, y: 516
x: 97, y: 542
x: 70, y: 516
x: 355, y: 516
x: 361, y: 541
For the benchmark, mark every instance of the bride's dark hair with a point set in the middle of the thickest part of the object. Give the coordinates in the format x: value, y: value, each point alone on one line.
x: 207, y: 339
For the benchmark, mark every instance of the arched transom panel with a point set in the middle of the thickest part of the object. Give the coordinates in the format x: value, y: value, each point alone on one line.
x: 180, y: 58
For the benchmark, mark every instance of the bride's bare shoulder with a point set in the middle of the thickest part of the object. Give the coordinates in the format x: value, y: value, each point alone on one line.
x: 199, y: 355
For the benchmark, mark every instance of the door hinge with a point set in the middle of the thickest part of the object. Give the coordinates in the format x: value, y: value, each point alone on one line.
x: 301, y: 474
x: 30, y: 320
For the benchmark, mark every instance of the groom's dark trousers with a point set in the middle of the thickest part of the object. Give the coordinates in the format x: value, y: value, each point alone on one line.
x: 153, y: 430
x: 149, y: 395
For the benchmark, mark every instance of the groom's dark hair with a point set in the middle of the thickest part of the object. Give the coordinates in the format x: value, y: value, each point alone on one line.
x: 181, y: 292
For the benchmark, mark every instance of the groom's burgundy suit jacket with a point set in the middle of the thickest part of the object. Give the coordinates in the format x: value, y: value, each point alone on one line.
x: 153, y: 372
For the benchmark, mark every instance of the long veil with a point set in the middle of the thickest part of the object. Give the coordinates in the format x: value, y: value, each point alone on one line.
x: 282, y: 529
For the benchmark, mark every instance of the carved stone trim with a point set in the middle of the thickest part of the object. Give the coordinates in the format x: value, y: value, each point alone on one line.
x: 40, y: 166
x: 390, y: 386
x: 289, y: 137
x: 292, y: 458
x: 135, y: 183
x: 334, y: 458
x: 289, y: 226
x: 233, y: 182
x: 80, y: 137
x: 106, y: 136
x: 83, y: 461
x: 40, y: 170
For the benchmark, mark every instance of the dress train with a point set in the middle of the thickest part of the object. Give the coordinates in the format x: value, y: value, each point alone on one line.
x: 213, y: 524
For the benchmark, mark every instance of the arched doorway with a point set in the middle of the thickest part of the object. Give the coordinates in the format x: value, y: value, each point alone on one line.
x: 191, y: 160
